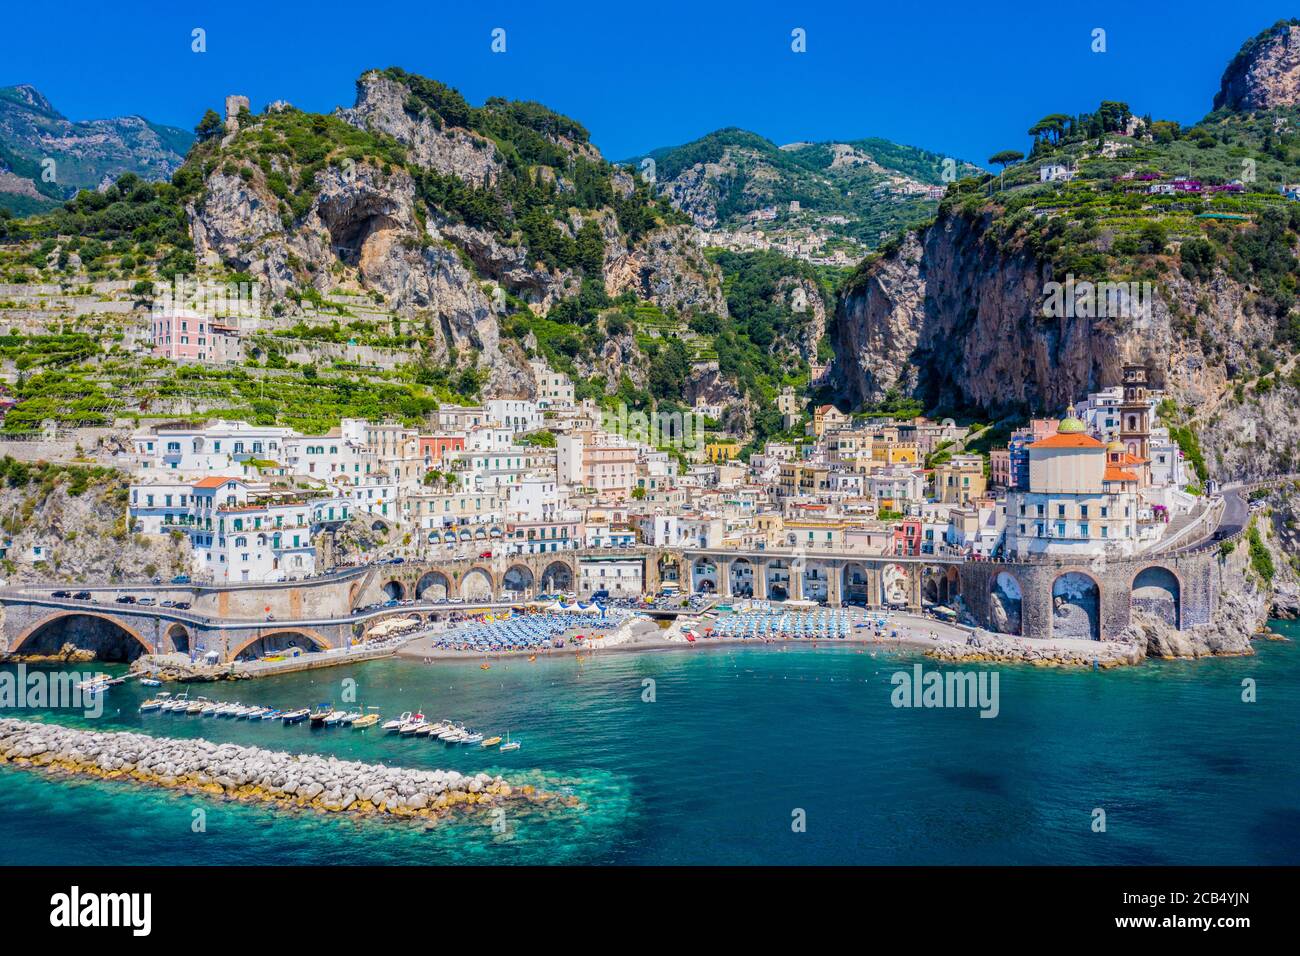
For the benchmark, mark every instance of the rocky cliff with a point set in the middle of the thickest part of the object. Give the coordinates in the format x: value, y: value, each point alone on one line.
x: 453, y: 214
x: 1266, y: 72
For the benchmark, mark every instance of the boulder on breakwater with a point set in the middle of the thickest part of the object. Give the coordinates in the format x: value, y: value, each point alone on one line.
x: 252, y: 774
x: 987, y: 647
x: 179, y: 668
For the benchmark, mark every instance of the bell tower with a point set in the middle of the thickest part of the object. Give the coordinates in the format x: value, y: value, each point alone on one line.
x: 1135, y: 413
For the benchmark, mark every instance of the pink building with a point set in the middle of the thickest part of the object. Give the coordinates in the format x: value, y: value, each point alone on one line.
x: 184, y: 336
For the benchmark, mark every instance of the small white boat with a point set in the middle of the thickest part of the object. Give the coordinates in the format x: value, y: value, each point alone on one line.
x: 150, y: 682
x: 470, y: 739
x: 510, y: 744
x: 155, y: 703
x: 272, y: 714
x: 253, y: 713
x: 396, y: 723
x: 334, y: 718
x: 414, y: 725
x: 451, y: 733
x: 200, y: 705
x: 177, y: 703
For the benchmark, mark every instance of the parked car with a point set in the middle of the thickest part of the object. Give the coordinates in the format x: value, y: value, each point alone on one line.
x: 61, y: 594
x: 182, y: 605
x: 486, y: 554
x: 125, y: 599
x: 147, y: 602
x: 168, y: 604
x: 181, y: 579
x: 81, y: 596
x: 157, y: 580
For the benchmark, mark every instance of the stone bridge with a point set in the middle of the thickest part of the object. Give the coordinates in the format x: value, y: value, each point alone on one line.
x: 1092, y: 599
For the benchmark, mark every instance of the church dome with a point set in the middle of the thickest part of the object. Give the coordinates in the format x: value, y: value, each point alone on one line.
x: 1116, y: 446
x: 1071, y: 426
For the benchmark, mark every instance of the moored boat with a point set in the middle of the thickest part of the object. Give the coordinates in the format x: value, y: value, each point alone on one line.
x: 155, y: 703
x: 470, y: 738
x: 198, y: 706
x: 296, y: 716
x: 369, y: 720
x: 510, y: 744
x: 273, y: 714
x: 397, y: 722
x: 321, y: 714
x: 413, y: 725
x: 150, y: 682
x: 491, y: 742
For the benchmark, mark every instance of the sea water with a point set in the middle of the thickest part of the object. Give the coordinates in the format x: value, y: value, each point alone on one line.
x: 773, y: 754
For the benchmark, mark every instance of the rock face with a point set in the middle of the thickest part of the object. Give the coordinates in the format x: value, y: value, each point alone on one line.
x: 381, y: 108
x: 83, y: 538
x: 1266, y: 72
x: 954, y: 318
x: 668, y: 268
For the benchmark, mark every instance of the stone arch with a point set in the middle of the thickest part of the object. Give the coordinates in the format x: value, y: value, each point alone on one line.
x: 1076, y: 606
x: 704, y: 575
x: 178, y: 638
x: 433, y: 586
x: 1157, y: 591
x: 777, y: 578
x: 519, y: 577
x: 394, y: 589
x: 266, y: 642
x: 816, y: 583
x: 476, y: 585
x: 894, y: 585
x: 854, y: 584
x: 1006, y: 601
x: 935, y: 584
x: 742, y: 577
x: 48, y: 635
x: 557, y: 576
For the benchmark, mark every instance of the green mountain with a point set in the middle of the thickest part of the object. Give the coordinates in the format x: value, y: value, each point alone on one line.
x: 84, y: 155
x: 849, y: 195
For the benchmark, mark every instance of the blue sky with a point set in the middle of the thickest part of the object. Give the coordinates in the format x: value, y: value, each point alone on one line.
x: 962, y: 80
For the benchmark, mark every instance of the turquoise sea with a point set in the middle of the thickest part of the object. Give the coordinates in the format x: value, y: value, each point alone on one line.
x: 735, y: 743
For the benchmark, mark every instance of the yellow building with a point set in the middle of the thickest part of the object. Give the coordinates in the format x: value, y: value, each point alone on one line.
x: 960, y: 479
x: 722, y: 451
x: 896, y: 453
x: 827, y: 416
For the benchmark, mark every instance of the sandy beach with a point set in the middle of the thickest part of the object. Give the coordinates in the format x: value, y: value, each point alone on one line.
x: 645, y: 634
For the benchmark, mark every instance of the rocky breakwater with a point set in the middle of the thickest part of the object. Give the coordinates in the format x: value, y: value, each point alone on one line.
x: 987, y: 647
x: 254, y: 775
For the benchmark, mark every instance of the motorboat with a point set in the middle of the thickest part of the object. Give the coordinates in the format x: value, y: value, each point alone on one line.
x: 510, y: 744
x: 451, y: 733
x: 97, y: 684
x: 177, y: 703
x: 491, y: 742
x: 273, y: 714
x: 369, y: 720
x: 413, y: 725
x: 321, y: 714
x: 253, y: 713
x: 423, y: 730
x: 396, y: 723
x: 296, y: 716
x: 155, y: 703
x: 198, y: 706
x: 350, y: 717
x: 150, y: 682
x: 334, y: 718
x: 472, y: 738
